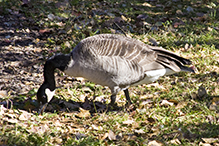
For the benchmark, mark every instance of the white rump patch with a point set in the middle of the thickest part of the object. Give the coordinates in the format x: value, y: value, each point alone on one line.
x: 154, y: 75
x: 49, y: 94
x: 159, y: 72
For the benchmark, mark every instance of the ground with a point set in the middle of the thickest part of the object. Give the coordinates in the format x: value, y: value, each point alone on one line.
x: 181, y: 109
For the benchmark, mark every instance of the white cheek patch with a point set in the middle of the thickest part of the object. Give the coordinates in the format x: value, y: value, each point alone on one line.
x: 49, y: 94
x: 71, y: 63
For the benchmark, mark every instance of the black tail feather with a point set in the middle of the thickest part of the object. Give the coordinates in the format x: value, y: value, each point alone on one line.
x: 188, y: 69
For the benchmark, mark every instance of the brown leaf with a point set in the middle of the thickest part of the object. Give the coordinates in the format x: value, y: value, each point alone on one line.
x: 86, y: 89
x: 42, y: 31
x: 111, y: 135
x: 155, y: 128
x: 210, y: 140
x: 175, y: 141
x: 155, y: 143
x: 105, y: 136
x: 128, y: 122
x: 204, y: 144
x: 24, y: 116
x: 215, y: 100
x: 12, y: 121
x: 179, y: 112
x: 124, y: 18
x: 140, y: 131
x: 98, y: 128
x: 179, y: 12
x: 148, y: 121
x: 181, y: 104
x: 135, y: 125
x: 83, y: 113
x: 38, y: 129
x: 213, y: 107
x: 57, y: 123
x: 166, y: 103
x: 2, y: 110
x: 174, y: 101
x: 3, y: 93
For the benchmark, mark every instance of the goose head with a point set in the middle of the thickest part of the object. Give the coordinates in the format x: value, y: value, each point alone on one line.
x: 44, y: 96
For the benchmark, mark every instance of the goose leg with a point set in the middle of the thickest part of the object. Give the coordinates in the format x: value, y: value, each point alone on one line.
x: 113, y: 99
x: 128, y: 100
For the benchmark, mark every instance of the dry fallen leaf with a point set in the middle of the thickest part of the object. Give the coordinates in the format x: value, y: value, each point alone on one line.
x: 179, y: 112
x: 204, y: 144
x: 43, y: 31
x: 98, y: 128
x: 25, y: 116
x: 181, y: 104
x: 3, y: 93
x: 111, y: 135
x: 155, y: 143
x: 213, y: 107
x: 140, y: 131
x: 57, y: 123
x: 215, y: 100
x: 175, y: 141
x: 128, y: 122
x: 210, y: 140
x: 39, y: 129
x: 215, y: 104
x: 83, y: 113
x: 2, y: 110
x: 12, y: 121
x: 105, y: 136
x: 166, y: 103
x: 86, y: 89
x: 148, y: 121
x: 173, y: 101
x: 80, y: 79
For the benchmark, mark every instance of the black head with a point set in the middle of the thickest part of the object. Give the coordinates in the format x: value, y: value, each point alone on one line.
x: 44, y: 94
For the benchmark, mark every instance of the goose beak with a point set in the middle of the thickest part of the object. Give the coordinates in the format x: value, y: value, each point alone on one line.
x: 42, y: 108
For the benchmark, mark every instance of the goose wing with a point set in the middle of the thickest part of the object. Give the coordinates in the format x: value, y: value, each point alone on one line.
x: 117, y: 45
x: 146, y: 56
x: 125, y: 60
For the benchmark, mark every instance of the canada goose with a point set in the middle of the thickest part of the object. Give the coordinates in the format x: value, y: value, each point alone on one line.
x: 111, y: 60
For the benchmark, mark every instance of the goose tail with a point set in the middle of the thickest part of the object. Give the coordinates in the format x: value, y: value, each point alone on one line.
x: 173, y: 61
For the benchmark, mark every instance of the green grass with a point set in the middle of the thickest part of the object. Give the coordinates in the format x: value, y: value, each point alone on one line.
x: 189, y: 123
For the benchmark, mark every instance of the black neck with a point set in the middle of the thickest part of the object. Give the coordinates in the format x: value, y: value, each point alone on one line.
x: 59, y: 61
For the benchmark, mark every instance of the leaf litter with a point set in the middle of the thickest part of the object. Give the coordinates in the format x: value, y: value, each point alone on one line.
x: 162, y: 108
